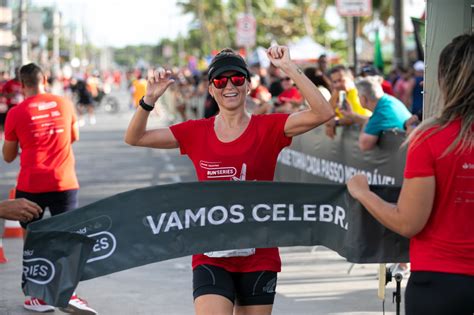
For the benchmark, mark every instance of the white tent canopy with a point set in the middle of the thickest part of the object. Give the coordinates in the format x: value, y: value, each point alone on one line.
x: 303, y: 49
x: 259, y: 55
x: 307, y: 49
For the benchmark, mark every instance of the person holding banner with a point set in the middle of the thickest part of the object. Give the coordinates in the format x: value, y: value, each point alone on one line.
x: 233, y: 145
x: 19, y: 210
x: 435, y: 206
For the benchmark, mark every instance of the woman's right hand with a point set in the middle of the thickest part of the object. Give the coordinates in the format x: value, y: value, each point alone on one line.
x: 279, y: 56
x: 358, y: 185
x: 411, y: 123
x: 157, y: 85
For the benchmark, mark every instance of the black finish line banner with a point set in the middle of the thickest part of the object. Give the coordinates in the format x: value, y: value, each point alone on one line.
x: 315, y: 158
x: 153, y: 224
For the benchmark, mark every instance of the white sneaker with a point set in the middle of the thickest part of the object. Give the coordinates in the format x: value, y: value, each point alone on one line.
x: 82, y: 122
x: 92, y: 120
x: 37, y: 305
x: 78, y: 306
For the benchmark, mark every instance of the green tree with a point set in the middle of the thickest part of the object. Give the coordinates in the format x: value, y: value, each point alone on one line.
x: 208, y: 15
x: 214, y: 26
x: 263, y: 11
x: 129, y: 56
x: 382, y: 10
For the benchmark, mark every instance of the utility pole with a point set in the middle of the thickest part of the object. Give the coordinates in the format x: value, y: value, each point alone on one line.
x: 226, y: 40
x: 399, y: 51
x: 248, y: 11
x: 56, y: 33
x: 72, y: 42
x: 355, y: 26
x: 352, y: 23
x: 248, y: 6
x: 181, y: 52
x: 23, y: 33
x: 206, y: 34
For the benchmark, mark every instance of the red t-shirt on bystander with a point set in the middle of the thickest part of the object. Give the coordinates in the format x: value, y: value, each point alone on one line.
x: 43, y: 126
x: 446, y: 243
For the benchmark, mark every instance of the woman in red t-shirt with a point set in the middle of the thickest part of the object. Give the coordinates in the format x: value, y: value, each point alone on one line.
x: 435, y: 208
x: 233, y: 145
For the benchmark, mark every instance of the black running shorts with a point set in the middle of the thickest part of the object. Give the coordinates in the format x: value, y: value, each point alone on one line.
x: 57, y: 202
x: 439, y: 293
x: 241, y: 288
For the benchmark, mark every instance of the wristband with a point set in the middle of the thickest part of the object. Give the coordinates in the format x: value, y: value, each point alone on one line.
x: 145, y: 106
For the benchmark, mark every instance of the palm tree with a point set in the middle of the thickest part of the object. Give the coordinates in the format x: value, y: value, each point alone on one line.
x: 306, y: 8
x: 382, y: 10
x: 217, y: 21
x: 207, y: 13
x: 263, y: 11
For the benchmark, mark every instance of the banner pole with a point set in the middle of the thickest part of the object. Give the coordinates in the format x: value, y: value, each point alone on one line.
x: 397, y: 295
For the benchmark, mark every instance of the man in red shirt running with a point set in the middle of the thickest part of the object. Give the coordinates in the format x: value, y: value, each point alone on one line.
x: 45, y: 126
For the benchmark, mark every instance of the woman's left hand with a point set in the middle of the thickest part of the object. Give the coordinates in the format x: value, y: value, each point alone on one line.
x: 358, y: 185
x: 279, y: 56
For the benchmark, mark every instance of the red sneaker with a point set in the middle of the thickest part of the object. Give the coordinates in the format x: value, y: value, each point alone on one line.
x: 78, y: 306
x: 37, y: 305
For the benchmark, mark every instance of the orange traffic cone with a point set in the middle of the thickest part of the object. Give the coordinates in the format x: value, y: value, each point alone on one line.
x: 3, y: 259
x: 12, y: 193
x: 13, y: 229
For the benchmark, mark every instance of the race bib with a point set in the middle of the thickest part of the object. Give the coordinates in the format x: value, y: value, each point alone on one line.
x: 231, y: 253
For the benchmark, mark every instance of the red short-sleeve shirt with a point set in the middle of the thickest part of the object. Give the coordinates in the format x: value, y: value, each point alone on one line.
x: 42, y: 124
x: 252, y: 156
x: 446, y: 243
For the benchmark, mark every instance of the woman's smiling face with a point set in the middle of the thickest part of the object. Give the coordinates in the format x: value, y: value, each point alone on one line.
x: 230, y: 97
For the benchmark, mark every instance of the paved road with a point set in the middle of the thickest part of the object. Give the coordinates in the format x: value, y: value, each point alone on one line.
x: 313, y: 281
